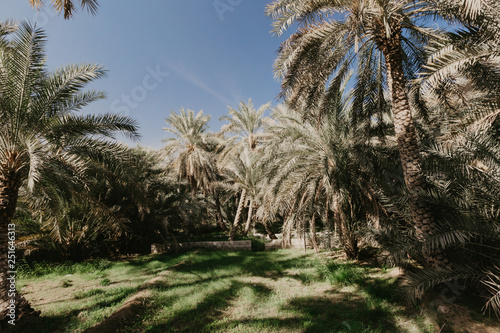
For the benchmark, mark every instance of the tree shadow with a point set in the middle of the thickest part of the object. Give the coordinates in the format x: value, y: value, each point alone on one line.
x: 204, y: 313
x: 165, y: 285
x: 382, y: 289
x: 340, y: 314
x: 312, y: 315
x: 125, y: 316
x: 261, y: 264
x: 45, y: 324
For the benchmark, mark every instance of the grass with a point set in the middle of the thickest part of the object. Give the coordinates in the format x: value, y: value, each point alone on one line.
x: 205, y: 291
x: 26, y: 270
x: 344, y: 274
x: 215, y: 236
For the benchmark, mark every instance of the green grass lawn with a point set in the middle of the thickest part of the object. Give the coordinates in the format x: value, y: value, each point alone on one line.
x: 206, y: 291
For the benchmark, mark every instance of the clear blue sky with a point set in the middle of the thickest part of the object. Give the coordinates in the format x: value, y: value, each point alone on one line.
x: 207, y: 55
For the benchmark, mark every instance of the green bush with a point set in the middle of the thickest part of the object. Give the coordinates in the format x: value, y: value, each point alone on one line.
x: 258, y: 244
x: 343, y: 274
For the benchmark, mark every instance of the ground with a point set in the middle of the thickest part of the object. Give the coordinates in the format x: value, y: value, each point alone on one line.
x: 207, y: 291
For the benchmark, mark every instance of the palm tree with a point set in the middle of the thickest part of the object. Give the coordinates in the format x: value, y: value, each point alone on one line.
x: 383, y: 37
x: 40, y: 134
x: 246, y: 125
x: 244, y: 175
x: 461, y: 80
x: 313, y: 168
x: 459, y: 86
x: 464, y: 187
x: 67, y: 6
x: 193, y: 153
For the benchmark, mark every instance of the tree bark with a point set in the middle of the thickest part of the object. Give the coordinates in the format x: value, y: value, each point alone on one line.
x: 220, y: 219
x: 337, y: 218
x: 249, y: 219
x: 269, y: 232
x: 312, y: 230
x: 238, y: 215
x: 408, y: 144
x: 9, y: 190
x: 328, y: 226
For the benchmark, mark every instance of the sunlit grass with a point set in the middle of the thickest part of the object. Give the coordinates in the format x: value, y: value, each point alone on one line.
x: 204, y: 291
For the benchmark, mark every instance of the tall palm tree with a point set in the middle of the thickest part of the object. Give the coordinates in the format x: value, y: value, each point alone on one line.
x: 193, y: 153
x: 459, y: 86
x: 311, y: 166
x: 462, y: 165
x: 68, y: 6
x: 244, y: 175
x: 378, y: 37
x: 40, y: 133
x: 246, y: 126
x: 461, y: 80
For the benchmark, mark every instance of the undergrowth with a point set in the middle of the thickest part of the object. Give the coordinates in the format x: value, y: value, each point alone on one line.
x: 36, y: 269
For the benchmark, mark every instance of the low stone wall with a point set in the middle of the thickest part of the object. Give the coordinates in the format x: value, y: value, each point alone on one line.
x: 325, y: 241
x: 295, y: 244
x: 244, y: 245
x: 274, y: 244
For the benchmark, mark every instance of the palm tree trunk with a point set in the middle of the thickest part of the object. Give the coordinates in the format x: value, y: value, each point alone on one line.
x: 327, y: 225
x: 238, y: 215
x: 9, y: 189
x: 269, y: 232
x: 219, y: 217
x: 408, y: 146
x: 312, y: 229
x: 337, y: 218
x: 249, y: 219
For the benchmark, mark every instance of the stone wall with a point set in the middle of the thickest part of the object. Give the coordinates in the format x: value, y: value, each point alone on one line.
x: 244, y: 245
x: 296, y: 243
x: 325, y: 241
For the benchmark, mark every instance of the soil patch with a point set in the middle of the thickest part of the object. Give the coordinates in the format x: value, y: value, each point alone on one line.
x: 126, y: 315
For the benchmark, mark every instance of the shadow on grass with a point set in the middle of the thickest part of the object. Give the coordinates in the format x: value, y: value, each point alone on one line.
x: 45, y: 324
x: 382, y: 289
x: 98, y: 298
x: 262, y: 264
x: 166, y: 285
x: 211, y: 308
x: 310, y: 314
x: 112, y: 297
x: 367, y: 313
x: 200, y: 261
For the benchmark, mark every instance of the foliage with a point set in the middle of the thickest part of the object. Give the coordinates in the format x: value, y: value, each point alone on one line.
x: 67, y: 6
x: 41, y: 269
x: 315, y: 167
x: 125, y: 211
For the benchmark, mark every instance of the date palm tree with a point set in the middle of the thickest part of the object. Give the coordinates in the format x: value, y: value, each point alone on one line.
x: 315, y: 169
x: 460, y: 80
x: 68, y: 6
x: 246, y: 125
x: 192, y: 151
x: 375, y: 36
x: 243, y: 174
x: 41, y: 136
x: 459, y: 86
